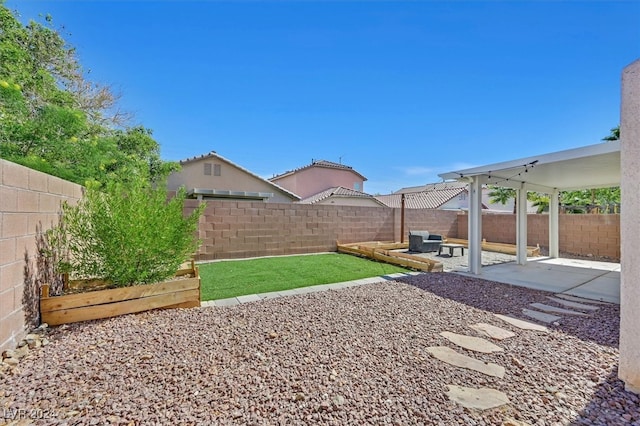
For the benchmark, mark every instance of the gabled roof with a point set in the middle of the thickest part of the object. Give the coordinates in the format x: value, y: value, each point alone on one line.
x: 319, y: 163
x: 432, y: 199
x: 340, y: 191
x: 213, y: 154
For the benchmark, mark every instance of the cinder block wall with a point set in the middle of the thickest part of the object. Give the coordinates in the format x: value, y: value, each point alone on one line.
x: 26, y: 198
x: 232, y: 229
x: 580, y: 234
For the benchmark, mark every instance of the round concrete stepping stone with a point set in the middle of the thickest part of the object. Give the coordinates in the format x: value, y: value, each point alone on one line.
x: 452, y: 357
x: 492, y: 331
x: 553, y: 309
x: 540, y: 316
x: 581, y: 299
x: 481, y: 399
x: 522, y: 324
x: 476, y: 344
x: 573, y: 304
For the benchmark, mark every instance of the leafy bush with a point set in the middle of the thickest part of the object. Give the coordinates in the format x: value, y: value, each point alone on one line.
x: 129, y: 234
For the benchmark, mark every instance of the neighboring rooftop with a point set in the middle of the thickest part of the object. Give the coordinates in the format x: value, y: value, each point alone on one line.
x: 432, y: 187
x: 425, y: 199
x: 340, y: 191
x: 319, y: 163
x: 213, y: 154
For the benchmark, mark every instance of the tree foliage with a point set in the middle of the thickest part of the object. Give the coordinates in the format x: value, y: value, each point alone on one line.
x: 54, y: 120
x: 614, y: 134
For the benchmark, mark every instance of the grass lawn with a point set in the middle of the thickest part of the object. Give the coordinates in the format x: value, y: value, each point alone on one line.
x: 239, y: 277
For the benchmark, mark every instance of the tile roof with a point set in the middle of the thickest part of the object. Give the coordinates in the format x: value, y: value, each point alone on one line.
x: 432, y: 187
x: 319, y: 163
x: 213, y: 154
x: 432, y: 199
x: 336, y: 190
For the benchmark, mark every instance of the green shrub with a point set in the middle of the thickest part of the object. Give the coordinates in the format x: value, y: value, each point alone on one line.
x: 129, y: 234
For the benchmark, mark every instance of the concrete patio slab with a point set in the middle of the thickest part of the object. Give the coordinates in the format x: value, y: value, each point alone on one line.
x: 605, y: 288
x: 581, y: 299
x: 583, y: 278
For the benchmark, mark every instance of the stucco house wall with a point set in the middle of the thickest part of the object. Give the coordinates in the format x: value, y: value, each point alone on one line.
x: 629, y: 369
x: 315, y: 178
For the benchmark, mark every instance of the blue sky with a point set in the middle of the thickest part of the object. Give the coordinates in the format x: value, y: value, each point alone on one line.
x: 399, y: 90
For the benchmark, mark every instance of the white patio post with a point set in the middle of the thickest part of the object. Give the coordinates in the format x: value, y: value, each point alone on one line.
x: 629, y: 368
x: 475, y: 225
x: 521, y: 226
x: 554, y: 229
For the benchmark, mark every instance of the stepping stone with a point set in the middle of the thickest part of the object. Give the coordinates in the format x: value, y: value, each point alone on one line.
x: 522, y: 324
x: 481, y: 399
x: 581, y: 299
x: 548, y: 308
x: 540, y: 316
x: 492, y: 331
x: 573, y: 304
x: 452, y: 357
x: 476, y: 344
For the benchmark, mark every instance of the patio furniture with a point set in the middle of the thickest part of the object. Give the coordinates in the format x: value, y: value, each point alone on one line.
x: 423, y: 241
x: 451, y: 248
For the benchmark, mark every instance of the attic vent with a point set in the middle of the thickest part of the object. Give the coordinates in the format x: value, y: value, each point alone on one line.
x: 207, y: 169
x: 217, y: 168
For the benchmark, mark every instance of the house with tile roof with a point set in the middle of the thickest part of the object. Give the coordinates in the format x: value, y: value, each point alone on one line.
x: 341, y: 196
x: 319, y: 176
x: 446, y: 196
x: 211, y: 176
x: 432, y: 196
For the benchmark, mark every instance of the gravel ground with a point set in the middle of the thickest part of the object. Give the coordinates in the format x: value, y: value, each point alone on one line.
x: 353, y: 356
x: 461, y: 263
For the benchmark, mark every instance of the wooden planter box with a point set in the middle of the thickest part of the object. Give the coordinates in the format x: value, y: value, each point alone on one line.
x: 177, y: 293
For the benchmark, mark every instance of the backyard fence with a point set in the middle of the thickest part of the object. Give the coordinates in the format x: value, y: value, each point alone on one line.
x: 237, y: 229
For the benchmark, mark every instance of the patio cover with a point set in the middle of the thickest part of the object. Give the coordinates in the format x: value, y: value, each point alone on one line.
x: 592, y: 166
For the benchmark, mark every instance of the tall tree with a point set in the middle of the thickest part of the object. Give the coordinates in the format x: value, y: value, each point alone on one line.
x: 53, y: 119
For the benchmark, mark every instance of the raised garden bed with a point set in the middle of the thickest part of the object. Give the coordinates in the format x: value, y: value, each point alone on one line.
x: 181, y: 292
x: 384, y: 252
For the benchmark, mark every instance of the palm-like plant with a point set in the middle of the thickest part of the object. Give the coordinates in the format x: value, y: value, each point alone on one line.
x: 499, y: 194
x: 614, y: 135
